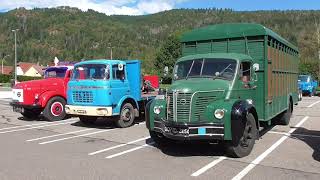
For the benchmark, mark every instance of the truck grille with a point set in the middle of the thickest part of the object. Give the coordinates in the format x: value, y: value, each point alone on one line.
x: 82, y: 97
x: 201, y: 102
x: 179, y: 106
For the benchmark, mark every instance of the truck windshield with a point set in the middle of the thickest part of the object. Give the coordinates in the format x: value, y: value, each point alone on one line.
x: 55, y: 72
x: 91, y: 71
x: 205, y: 68
x: 304, y: 78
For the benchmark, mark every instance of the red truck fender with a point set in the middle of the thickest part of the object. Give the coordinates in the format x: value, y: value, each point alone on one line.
x: 46, y: 96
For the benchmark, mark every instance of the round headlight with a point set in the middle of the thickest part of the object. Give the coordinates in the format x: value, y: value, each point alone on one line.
x: 157, y: 110
x: 219, y: 113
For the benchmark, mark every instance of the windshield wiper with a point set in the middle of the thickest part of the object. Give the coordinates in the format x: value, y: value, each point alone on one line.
x: 215, y: 76
x: 189, y: 70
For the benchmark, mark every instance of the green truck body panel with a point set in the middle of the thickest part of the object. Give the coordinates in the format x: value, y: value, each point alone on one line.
x: 270, y: 89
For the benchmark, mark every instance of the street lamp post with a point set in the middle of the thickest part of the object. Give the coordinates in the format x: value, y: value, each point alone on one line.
x: 15, y: 54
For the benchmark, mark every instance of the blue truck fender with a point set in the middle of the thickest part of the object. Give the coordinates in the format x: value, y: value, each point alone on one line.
x: 129, y: 99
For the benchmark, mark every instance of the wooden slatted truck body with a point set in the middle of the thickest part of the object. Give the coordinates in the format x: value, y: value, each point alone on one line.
x: 232, y: 79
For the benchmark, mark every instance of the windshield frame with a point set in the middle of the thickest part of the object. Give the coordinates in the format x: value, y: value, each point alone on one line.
x: 304, y: 78
x: 104, y: 77
x: 203, y: 61
x: 51, y: 69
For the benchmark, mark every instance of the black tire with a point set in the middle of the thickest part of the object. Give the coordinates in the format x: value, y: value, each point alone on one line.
x: 127, y: 116
x: 284, y: 118
x: 54, y: 110
x: 88, y: 120
x: 30, y: 114
x: 245, y: 144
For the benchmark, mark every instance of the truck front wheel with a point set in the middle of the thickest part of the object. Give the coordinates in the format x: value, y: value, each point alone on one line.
x: 245, y: 144
x: 54, y: 110
x: 126, y: 116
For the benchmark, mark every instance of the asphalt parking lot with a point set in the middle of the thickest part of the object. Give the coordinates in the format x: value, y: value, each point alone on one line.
x: 69, y: 150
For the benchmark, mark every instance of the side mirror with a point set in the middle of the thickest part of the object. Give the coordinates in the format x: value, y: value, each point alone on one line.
x: 120, y: 67
x: 256, y: 67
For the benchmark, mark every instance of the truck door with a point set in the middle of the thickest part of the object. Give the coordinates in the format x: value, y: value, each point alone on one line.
x: 248, y: 80
x: 119, y: 84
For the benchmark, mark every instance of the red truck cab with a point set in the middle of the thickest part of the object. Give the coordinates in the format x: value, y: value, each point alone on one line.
x: 47, y: 95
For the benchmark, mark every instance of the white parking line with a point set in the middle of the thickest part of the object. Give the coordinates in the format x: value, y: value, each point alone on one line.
x: 55, y: 124
x: 120, y: 145
x: 72, y: 137
x: 130, y: 150
x: 313, y: 104
x: 294, y: 134
x: 208, y: 166
x: 36, y: 124
x: 46, y: 137
x: 255, y: 162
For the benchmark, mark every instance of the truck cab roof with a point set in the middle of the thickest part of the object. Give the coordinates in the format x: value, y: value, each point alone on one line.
x: 236, y: 56
x: 102, y: 61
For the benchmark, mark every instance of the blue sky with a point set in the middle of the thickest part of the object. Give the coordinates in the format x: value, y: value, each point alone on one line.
x: 139, y: 7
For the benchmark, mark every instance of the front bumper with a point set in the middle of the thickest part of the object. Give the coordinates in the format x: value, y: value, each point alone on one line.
x: 18, y: 106
x: 208, y: 131
x: 88, y: 110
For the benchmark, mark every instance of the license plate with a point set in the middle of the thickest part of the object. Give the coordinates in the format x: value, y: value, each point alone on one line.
x: 82, y: 111
x: 18, y: 109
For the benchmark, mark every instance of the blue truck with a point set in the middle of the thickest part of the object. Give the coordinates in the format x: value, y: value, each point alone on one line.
x: 106, y: 88
x: 307, y: 85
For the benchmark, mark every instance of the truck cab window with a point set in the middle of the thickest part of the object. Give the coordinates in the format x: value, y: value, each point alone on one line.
x: 117, y: 74
x: 245, y: 70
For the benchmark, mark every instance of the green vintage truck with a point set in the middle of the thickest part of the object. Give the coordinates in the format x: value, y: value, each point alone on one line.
x: 232, y: 80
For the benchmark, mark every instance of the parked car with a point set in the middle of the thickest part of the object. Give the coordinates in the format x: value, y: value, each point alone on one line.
x: 47, y: 95
x: 307, y: 84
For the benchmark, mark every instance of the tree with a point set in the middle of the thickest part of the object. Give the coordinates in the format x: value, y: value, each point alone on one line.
x: 169, y: 52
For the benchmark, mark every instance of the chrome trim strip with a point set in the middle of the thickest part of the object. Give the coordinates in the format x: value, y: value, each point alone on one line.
x: 217, y: 127
x: 192, y: 99
x: 206, y: 135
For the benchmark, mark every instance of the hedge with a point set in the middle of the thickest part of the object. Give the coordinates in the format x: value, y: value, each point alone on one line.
x: 7, y: 78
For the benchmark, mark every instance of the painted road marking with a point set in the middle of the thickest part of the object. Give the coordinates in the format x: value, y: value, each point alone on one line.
x: 118, y: 146
x: 29, y: 125
x: 255, y: 162
x: 46, y: 137
x: 16, y: 130
x: 313, y: 104
x: 130, y: 150
x: 294, y: 134
x: 72, y: 137
x: 208, y: 166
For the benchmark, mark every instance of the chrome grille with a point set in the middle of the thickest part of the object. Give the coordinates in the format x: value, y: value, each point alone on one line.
x: 82, y: 96
x: 178, y: 106
x: 201, y: 102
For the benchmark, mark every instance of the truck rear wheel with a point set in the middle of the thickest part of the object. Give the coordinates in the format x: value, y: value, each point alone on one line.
x: 88, y: 120
x: 54, y: 110
x: 245, y: 144
x: 30, y: 114
x: 126, y: 116
x: 284, y: 118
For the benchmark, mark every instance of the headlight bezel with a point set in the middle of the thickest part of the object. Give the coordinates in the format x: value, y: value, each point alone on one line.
x: 219, y: 113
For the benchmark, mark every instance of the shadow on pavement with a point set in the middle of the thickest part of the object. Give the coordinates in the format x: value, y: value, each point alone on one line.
x: 311, y: 138
x: 184, y: 149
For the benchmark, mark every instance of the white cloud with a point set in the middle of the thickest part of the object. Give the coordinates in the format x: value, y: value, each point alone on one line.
x: 128, y: 7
